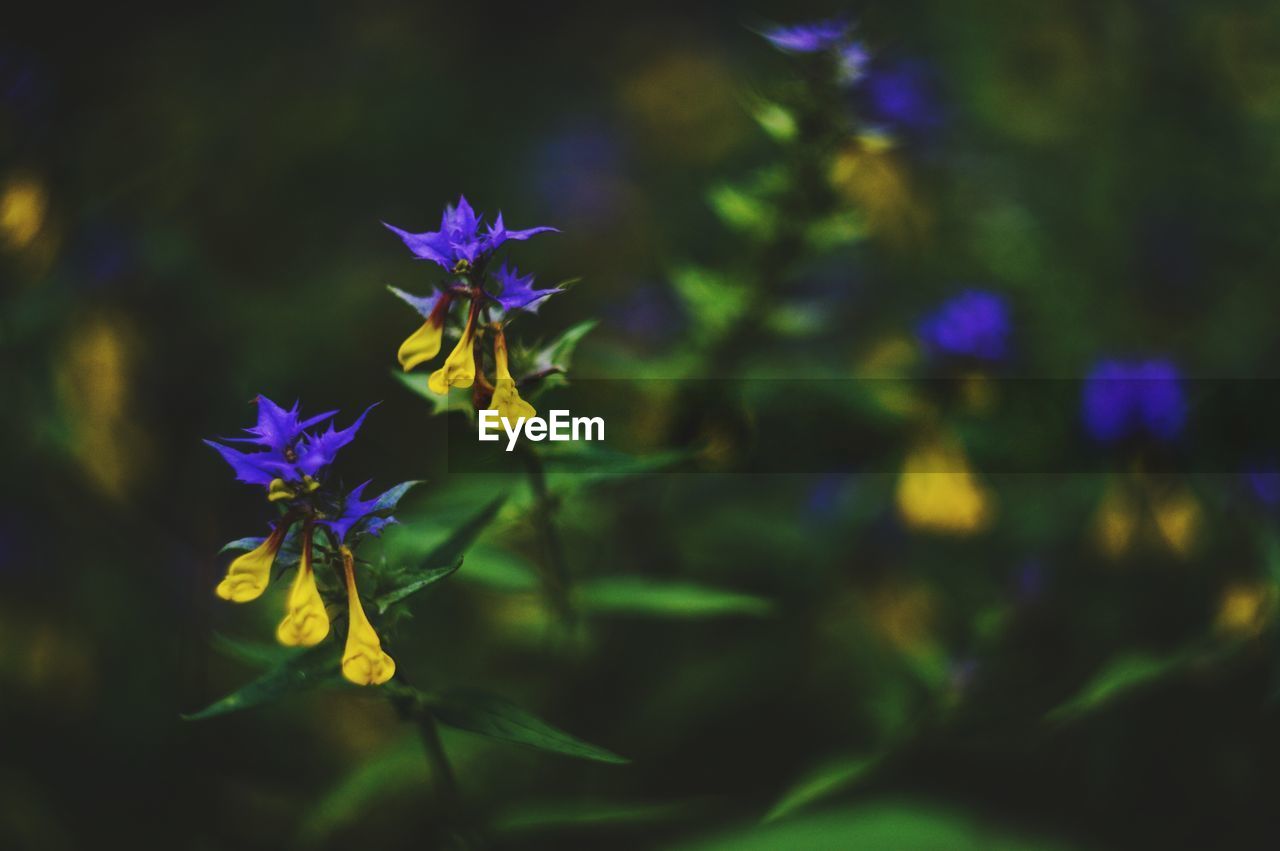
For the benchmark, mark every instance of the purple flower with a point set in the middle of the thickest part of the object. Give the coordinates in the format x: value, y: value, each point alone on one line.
x: 354, y: 511
x: 518, y: 292
x: 1265, y: 483
x: 974, y: 324
x: 833, y: 35
x: 460, y: 242
x: 811, y: 37
x: 902, y: 96
x: 287, y: 450
x: 1125, y: 399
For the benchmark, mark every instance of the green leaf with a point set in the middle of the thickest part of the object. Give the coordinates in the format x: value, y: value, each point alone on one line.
x: 391, y: 497
x: 638, y: 596
x: 1120, y: 677
x: 561, y: 349
x: 397, y: 770
x: 822, y: 783
x: 713, y: 301
x: 492, y: 716
x: 420, y: 580
x: 455, y: 546
x: 557, y: 815
x: 775, y: 119
x: 309, y: 669
x: 550, y: 360
x: 741, y: 210
x: 457, y: 400
x: 241, y: 545
x: 258, y: 654
x: 889, y: 826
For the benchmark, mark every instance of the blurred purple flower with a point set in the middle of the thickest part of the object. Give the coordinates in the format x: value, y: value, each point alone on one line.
x: 1124, y: 399
x: 577, y: 172
x: 834, y: 35
x: 974, y: 324
x: 901, y: 96
x: 1265, y: 484
x: 810, y: 37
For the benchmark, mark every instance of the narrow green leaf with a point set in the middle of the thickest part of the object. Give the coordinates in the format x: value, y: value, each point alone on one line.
x: 1118, y: 678
x: 309, y: 669
x: 824, y: 782
x: 241, y: 545
x: 258, y: 654
x: 637, y: 596
x: 887, y: 826
x: 455, y: 546
x: 560, y: 351
x: 391, y: 497
x: 497, y: 718
x: 419, y: 581
x: 399, y: 770
x: 457, y: 400
x: 556, y: 815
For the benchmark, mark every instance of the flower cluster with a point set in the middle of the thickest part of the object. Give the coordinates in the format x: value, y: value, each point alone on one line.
x: 289, y: 458
x: 833, y: 37
x: 465, y: 247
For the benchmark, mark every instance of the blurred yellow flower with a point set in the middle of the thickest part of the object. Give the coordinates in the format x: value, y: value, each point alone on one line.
x: 885, y: 370
x: 1246, y: 608
x: 1139, y: 510
x: 938, y: 492
x: 22, y: 212
x: 93, y: 383
x: 869, y: 174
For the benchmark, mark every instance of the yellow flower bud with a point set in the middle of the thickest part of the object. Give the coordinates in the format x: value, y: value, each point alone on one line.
x: 459, y: 368
x: 305, y: 620
x: 278, y: 490
x: 248, y: 575
x: 363, y: 660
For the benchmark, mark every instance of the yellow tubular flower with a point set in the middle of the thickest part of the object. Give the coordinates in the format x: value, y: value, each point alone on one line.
x: 424, y: 344
x: 459, y: 368
x: 305, y: 620
x: 248, y: 575
x: 506, y: 399
x: 363, y: 661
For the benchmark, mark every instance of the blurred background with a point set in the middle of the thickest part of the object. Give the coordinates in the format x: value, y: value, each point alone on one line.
x: 1008, y: 629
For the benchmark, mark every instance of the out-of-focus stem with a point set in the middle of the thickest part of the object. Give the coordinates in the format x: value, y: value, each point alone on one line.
x: 555, y: 572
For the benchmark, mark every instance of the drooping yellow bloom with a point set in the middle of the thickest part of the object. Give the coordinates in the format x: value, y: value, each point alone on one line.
x: 1245, y: 608
x: 424, y: 344
x: 1142, y: 511
x: 459, y: 368
x: 22, y: 210
x: 305, y: 620
x: 363, y: 660
x: 248, y: 575
x: 506, y: 398
x: 938, y: 491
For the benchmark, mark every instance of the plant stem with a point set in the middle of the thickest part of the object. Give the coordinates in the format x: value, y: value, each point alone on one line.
x: 555, y: 573
x: 442, y: 777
